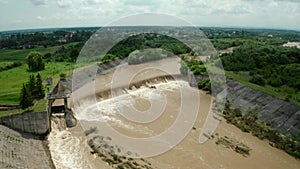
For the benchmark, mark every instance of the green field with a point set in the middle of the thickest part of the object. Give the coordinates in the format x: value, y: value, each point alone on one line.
x: 11, y: 55
x: 4, y: 64
x: 13, y: 79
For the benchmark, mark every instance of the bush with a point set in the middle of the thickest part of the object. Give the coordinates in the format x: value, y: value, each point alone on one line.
x: 108, y: 58
x: 120, y: 166
x: 204, y: 84
x: 35, y: 61
x: 10, y: 66
x: 275, y: 82
x: 62, y: 76
x: 258, y: 79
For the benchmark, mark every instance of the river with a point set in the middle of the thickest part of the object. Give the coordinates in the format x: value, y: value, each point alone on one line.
x: 69, y: 147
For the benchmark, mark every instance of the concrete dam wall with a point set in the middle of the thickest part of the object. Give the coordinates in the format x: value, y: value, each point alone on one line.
x: 281, y: 115
x: 23, y: 150
x: 30, y: 122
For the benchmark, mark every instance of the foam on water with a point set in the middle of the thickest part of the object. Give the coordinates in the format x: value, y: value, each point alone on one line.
x: 106, y: 110
x: 102, y: 111
x: 66, y: 149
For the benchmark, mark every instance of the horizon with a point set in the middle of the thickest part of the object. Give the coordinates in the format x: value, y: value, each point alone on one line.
x: 42, y: 14
x: 99, y: 27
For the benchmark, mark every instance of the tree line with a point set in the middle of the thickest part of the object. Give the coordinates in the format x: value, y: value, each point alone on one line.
x: 148, y: 40
x: 272, y: 65
x: 31, y: 90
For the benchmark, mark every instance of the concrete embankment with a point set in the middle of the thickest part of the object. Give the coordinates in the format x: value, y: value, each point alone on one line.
x: 37, y: 123
x: 280, y: 115
x: 23, y: 150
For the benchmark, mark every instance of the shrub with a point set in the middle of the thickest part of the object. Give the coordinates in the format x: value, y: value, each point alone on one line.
x: 204, y: 84
x: 35, y: 61
x: 258, y: 79
x: 120, y: 166
x: 62, y: 76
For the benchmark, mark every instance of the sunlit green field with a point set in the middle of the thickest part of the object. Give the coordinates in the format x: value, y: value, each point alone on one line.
x: 12, y: 55
x: 12, y: 79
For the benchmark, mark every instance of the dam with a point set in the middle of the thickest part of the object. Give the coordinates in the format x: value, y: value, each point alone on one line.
x: 68, y: 145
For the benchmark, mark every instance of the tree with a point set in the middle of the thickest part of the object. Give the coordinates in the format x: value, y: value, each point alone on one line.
x: 31, y: 85
x: 205, y: 84
x: 47, y: 56
x: 74, y: 54
x: 39, y: 87
x: 258, y: 79
x: 40, y: 65
x: 26, y: 98
x: 62, y: 76
x: 35, y: 61
x: 108, y: 58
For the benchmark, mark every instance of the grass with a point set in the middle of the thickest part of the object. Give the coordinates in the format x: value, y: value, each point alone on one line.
x: 10, y: 112
x: 14, y: 55
x: 13, y: 79
x: 39, y: 106
x: 4, y: 64
x: 283, y: 92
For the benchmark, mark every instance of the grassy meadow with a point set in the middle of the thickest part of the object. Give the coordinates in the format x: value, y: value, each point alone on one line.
x: 11, y: 80
x: 12, y: 55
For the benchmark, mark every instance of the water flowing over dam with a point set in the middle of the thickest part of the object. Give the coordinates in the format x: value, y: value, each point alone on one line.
x: 69, y: 147
x: 95, y: 111
x: 65, y: 149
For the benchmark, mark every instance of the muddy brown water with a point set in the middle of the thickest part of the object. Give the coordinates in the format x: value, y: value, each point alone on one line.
x: 70, y: 144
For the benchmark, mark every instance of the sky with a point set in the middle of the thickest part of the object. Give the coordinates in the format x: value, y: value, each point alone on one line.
x: 28, y: 14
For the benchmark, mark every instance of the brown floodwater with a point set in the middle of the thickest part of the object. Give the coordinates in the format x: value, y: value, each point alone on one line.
x: 115, y: 119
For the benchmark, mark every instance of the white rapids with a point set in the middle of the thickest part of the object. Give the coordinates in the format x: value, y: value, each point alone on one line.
x: 65, y: 148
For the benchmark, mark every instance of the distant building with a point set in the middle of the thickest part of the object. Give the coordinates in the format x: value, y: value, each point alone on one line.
x: 69, y: 35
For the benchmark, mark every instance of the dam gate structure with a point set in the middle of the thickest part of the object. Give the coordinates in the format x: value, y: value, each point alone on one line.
x: 57, y: 104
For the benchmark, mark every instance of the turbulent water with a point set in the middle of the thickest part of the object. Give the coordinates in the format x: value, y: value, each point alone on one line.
x: 106, y: 109
x: 69, y: 149
x: 66, y: 149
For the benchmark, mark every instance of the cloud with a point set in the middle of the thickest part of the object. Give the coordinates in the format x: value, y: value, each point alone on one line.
x: 18, y: 21
x: 64, y: 3
x: 91, y: 2
x: 294, y: 1
x: 39, y: 2
x: 142, y: 3
x: 254, y: 13
x: 40, y: 18
x: 3, y: 1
